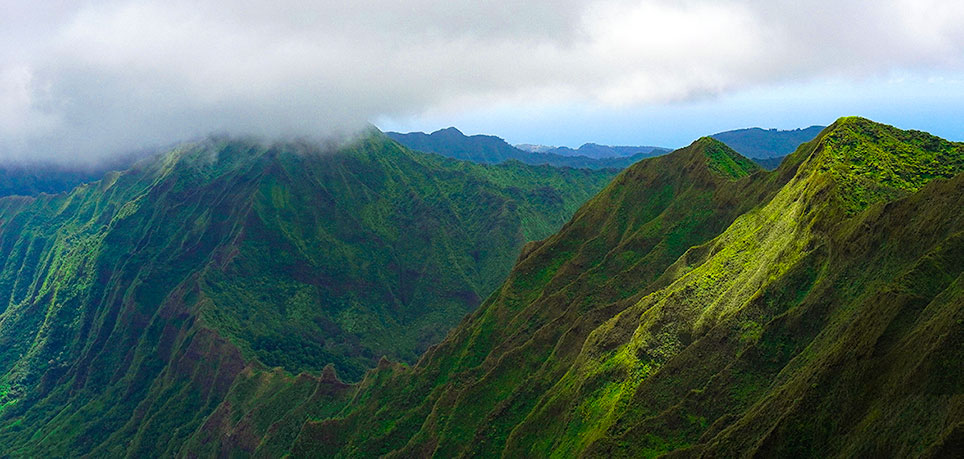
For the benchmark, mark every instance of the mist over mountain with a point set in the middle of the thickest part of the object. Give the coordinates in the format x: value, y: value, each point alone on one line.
x: 701, y: 306
x: 207, y: 248
x: 233, y: 298
x: 32, y: 178
x: 164, y: 283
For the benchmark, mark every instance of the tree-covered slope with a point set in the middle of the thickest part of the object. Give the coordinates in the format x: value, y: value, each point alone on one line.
x: 696, y: 306
x: 772, y: 337
x: 812, y: 311
x: 132, y: 305
x: 487, y: 149
x: 488, y: 375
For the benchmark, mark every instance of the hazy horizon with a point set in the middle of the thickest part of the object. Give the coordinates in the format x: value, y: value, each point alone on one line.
x: 88, y: 81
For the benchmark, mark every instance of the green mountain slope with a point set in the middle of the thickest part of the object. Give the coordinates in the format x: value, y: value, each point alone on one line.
x: 696, y: 306
x: 487, y: 149
x: 776, y: 322
x: 133, y: 305
x: 765, y: 144
x: 818, y: 312
x: 489, y: 374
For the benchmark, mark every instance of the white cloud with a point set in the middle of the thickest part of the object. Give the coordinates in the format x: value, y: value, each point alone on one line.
x: 101, y: 77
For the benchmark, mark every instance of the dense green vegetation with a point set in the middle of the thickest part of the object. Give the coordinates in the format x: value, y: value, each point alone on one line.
x: 487, y: 149
x: 764, y: 144
x: 131, y: 305
x: 696, y: 306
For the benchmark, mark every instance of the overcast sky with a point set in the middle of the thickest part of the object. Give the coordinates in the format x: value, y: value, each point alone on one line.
x: 91, y: 78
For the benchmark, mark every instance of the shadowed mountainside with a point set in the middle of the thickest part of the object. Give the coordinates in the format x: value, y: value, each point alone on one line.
x: 818, y: 312
x: 131, y: 305
x: 818, y: 306
x: 696, y: 306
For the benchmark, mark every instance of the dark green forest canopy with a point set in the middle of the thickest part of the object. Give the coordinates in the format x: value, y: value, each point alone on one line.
x: 696, y: 305
x: 688, y: 309
x: 129, y: 291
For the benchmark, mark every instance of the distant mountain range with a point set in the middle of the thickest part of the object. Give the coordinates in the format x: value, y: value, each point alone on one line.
x: 235, y: 299
x: 769, y: 163
x: 757, y: 143
x: 488, y: 149
x: 701, y: 307
x: 766, y: 147
x: 594, y: 150
x: 33, y: 178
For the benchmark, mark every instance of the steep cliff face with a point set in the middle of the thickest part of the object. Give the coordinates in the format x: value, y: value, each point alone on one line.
x: 468, y: 394
x: 801, y: 312
x: 132, y: 305
x: 800, y: 330
x: 696, y: 306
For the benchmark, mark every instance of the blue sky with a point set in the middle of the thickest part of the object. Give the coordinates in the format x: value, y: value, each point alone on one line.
x: 932, y: 103
x: 81, y: 81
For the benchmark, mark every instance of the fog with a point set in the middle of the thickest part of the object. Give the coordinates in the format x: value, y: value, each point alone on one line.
x: 82, y: 81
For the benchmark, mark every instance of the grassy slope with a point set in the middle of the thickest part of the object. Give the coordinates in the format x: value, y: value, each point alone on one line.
x: 378, y: 252
x: 695, y: 306
x: 472, y: 389
x: 811, y: 324
x: 791, y: 281
x: 135, y: 304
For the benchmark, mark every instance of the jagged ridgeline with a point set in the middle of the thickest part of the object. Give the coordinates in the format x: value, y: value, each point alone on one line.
x: 131, y: 305
x: 696, y: 306
x: 699, y: 306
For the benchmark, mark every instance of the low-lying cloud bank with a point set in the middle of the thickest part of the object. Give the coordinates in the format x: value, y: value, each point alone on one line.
x: 86, y: 80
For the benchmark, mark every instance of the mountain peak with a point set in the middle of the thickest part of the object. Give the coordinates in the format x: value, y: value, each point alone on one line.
x: 872, y: 162
x: 723, y: 160
x: 451, y: 130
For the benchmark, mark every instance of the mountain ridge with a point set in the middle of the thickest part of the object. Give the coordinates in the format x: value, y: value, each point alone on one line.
x: 184, y: 273
x: 689, y: 171
x: 696, y: 306
x: 595, y: 150
x: 630, y: 360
